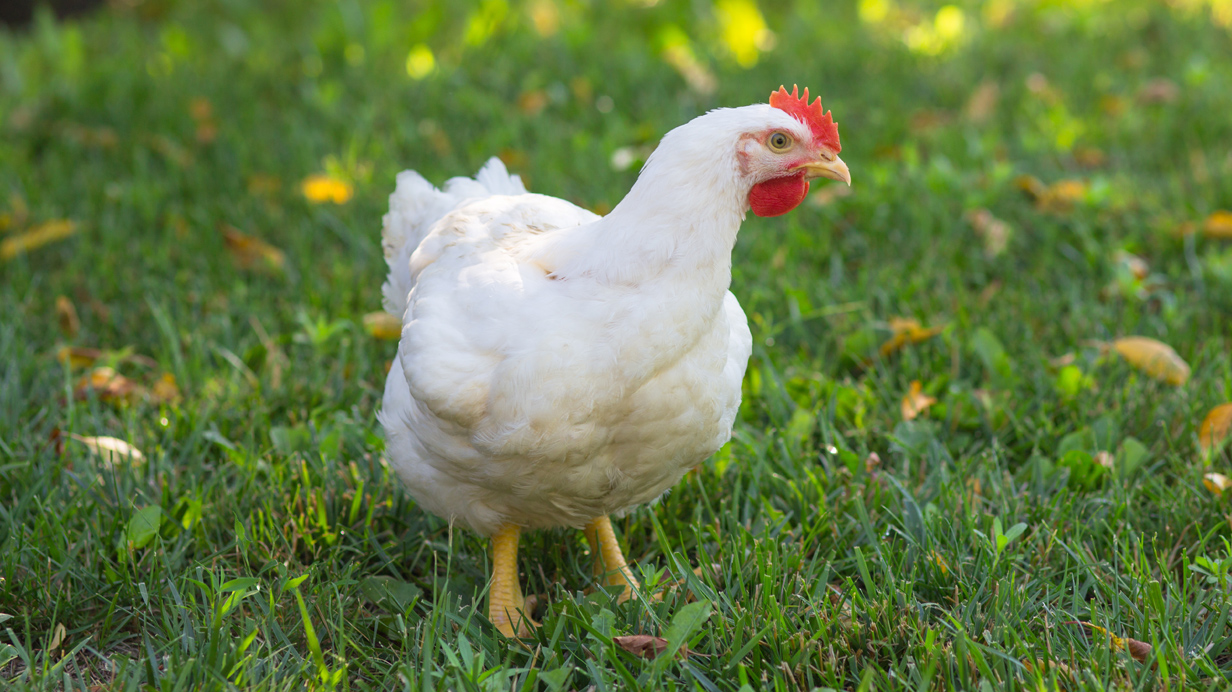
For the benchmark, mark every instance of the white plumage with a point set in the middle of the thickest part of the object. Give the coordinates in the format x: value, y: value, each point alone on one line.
x: 556, y: 366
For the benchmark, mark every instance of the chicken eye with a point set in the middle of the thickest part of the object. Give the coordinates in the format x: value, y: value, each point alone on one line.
x: 779, y: 142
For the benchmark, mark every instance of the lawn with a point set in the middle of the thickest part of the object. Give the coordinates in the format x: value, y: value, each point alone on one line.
x: 950, y: 470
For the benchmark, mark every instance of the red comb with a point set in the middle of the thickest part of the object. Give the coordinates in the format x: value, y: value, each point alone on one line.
x: 825, y: 130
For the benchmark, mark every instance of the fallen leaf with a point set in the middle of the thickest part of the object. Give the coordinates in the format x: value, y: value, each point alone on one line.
x: 906, y: 331
x: 1217, y: 483
x: 1155, y: 358
x: 165, y: 390
x: 915, y: 402
x: 383, y: 325
x: 77, y: 357
x: 40, y: 235
x: 1215, y: 428
x: 321, y: 188
x: 107, y: 384
x: 993, y: 231
x: 57, y: 637
x: 111, y: 450
x: 1218, y: 225
x: 1104, y: 459
x: 66, y: 315
x: 533, y: 101
x: 1034, y: 187
x: 1060, y: 197
x: 644, y: 645
x: 983, y: 102
x: 250, y: 252
x: 1090, y: 157
x: 1141, y: 651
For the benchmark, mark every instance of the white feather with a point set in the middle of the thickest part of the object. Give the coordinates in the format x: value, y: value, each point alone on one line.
x: 556, y: 366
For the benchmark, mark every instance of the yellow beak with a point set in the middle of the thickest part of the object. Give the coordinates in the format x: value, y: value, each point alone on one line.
x: 834, y: 169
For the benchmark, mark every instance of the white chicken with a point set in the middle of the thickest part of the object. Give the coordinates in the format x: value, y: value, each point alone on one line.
x: 557, y: 367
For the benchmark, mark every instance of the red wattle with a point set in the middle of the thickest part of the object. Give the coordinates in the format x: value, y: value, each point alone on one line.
x: 778, y: 196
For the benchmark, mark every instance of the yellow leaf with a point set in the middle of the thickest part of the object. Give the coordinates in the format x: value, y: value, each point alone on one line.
x: 252, y: 253
x: 1155, y: 358
x: 1139, y: 650
x: 111, y: 450
x: 321, y: 188
x: 66, y: 315
x: 916, y: 402
x: 1215, y: 429
x: 383, y: 325
x: 165, y: 389
x: 1061, y: 196
x: 77, y: 357
x: 906, y: 331
x: 107, y: 384
x: 1218, y: 225
x: 57, y: 637
x: 40, y: 235
x: 1217, y: 483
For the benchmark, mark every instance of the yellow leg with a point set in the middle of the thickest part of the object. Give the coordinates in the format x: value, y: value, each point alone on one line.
x: 506, y: 609
x: 610, y: 565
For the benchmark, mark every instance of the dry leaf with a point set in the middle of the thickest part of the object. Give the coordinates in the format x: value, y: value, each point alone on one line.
x: 1090, y: 157
x: 171, y: 150
x: 644, y: 645
x: 993, y: 231
x: 321, y: 188
x: 1031, y: 185
x: 66, y: 315
x: 76, y: 357
x: 111, y: 450
x: 1215, y: 428
x: 1060, y: 197
x: 107, y: 384
x: 253, y: 253
x: 57, y: 637
x: 533, y: 101
x: 165, y: 390
x: 983, y: 102
x: 1141, y: 651
x: 1217, y: 483
x: 40, y: 235
x: 906, y: 331
x: 915, y: 402
x: 1218, y: 225
x: 1155, y: 358
x: 383, y: 325
x: 1104, y: 459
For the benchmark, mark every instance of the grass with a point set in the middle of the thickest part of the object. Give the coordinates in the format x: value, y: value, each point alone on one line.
x: 282, y: 554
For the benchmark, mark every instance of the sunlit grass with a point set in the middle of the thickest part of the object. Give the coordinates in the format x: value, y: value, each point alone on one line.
x: 949, y: 456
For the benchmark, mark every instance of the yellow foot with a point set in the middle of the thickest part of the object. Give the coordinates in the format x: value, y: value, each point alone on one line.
x: 610, y: 566
x: 506, y: 607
